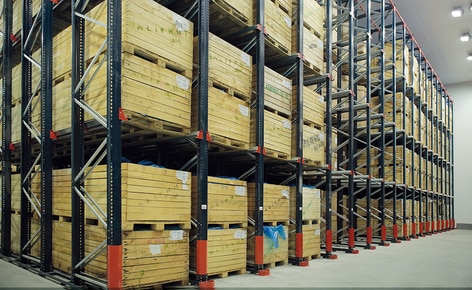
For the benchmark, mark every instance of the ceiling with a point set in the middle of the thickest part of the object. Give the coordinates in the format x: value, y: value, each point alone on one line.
x: 437, y: 33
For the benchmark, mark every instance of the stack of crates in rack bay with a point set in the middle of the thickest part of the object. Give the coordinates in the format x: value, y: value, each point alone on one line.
x: 311, y: 219
x: 227, y: 225
x: 276, y: 221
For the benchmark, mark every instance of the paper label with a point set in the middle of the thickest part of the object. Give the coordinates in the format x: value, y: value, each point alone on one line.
x: 288, y: 21
x: 285, y: 193
x: 321, y: 99
x: 155, y: 249
x: 240, y: 190
x: 180, y: 23
x: 182, y: 176
x: 286, y: 124
x: 244, y: 110
x: 317, y: 194
x: 287, y: 84
x: 321, y: 136
x: 240, y: 234
x: 246, y: 59
x: 177, y: 235
x: 182, y: 82
x: 317, y: 232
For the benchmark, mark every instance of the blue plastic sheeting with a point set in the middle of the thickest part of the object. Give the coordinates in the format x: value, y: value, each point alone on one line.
x: 273, y: 233
x: 149, y: 163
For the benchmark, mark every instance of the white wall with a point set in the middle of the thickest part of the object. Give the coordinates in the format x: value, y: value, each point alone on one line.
x: 461, y: 94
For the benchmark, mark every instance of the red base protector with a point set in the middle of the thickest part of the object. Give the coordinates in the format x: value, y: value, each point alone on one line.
x: 259, y: 250
x: 329, y: 241
x: 115, y: 267
x: 372, y: 248
x: 333, y: 257
x: 395, y: 231
x: 264, y: 272
x: 353, y: 251
x: 351, y: 237
x: 427, y: 227
x: 405, y: 230
x: 369, y: 235
x: 398, y: 241
x: 202, y: 257
x: 299, y: 245
x: 304, y: 264
x: 207, y: 285
x: 383, y: 232
x: 438, y: 225
x: 413, y: 229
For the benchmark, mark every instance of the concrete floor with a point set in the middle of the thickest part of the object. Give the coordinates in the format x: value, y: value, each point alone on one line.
x: 442, y: 260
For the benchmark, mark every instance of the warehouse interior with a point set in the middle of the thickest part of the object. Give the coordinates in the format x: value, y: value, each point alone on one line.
x: 236, y: 144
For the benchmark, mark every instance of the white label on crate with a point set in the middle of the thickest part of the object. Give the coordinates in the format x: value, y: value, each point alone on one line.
x: 285, y: 193
x: 240, y: 234
x: 286, y: 124
x: 261, y: 208
x: 240, y: 190
x: 288, y: 21
x: 177, y: 235
x: 300, y: 208
x: 180, y: 23
x: 244, y: 110
x: 287, y: 84
x: 245, y: 58
x: 321, y: 136
x: 319, y: 43
x: 155, y: 249
x: 182, y: 82
x: 317, y: 232
x: 321, y: 99
x: 182, y: 176
x: 317, y: 194
x: 204, y: 206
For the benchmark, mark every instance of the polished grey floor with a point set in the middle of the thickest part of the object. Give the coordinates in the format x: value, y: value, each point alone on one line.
x: 442, y: 261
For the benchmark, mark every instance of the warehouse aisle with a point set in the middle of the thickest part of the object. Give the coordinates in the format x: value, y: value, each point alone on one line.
x: 442, y: 260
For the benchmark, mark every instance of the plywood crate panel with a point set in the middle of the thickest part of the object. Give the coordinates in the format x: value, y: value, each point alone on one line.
x: 277, y: 91
x: 147, y: 89
x: 311, y: 209
x: 313, y: 16
x: 313, y: 106
x: 312, y: 49
x: 276, y: 202
x: 277, y: 134
x: 228, y: 118
x: 229, y: 67
x: 148, y: 29
x: 311, y: 241
x: 278, y: 22
x: 314, y: 144
x: 239, y: 9
x: 227, y: 200
x: 272, y: 254
x: 226, y: 251
x: 35, y: 250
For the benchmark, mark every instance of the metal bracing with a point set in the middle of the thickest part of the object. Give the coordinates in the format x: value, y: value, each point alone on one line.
x: 6, y: 166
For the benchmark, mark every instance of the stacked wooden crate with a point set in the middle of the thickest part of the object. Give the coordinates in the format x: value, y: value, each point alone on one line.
x: 278, y: 23
x: 313, y: 37
x: 275, y: 216
x: 277, y: 115
x: 227, y: 225
x: 311, y: 214
x: 229, y: 93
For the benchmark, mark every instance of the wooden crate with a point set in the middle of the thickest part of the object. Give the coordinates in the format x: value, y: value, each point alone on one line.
x: 278, y: 22
x: 16, y: 230
x: 311, y: 209
x: 311, y: 241
x: 313, y: 16
x: 227, y: 200
x: 334, y: 218
x: 314, y: 144
x: 226, y: 251
x: 229, y: 67
x: 312, y: 49
x: 313, y: 106
x: 277, y: 134
x: 277, y: 92
x: 276, y: 202
x: 148, y: 29
x: 241, y: 10
x: 228, y: 118
x: 272, y: 256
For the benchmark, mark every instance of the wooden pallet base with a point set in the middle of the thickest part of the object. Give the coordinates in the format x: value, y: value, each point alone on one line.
x: 228, y: 273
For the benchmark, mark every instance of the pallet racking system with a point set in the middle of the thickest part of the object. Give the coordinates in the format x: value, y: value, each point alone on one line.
x: 357, y: 33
